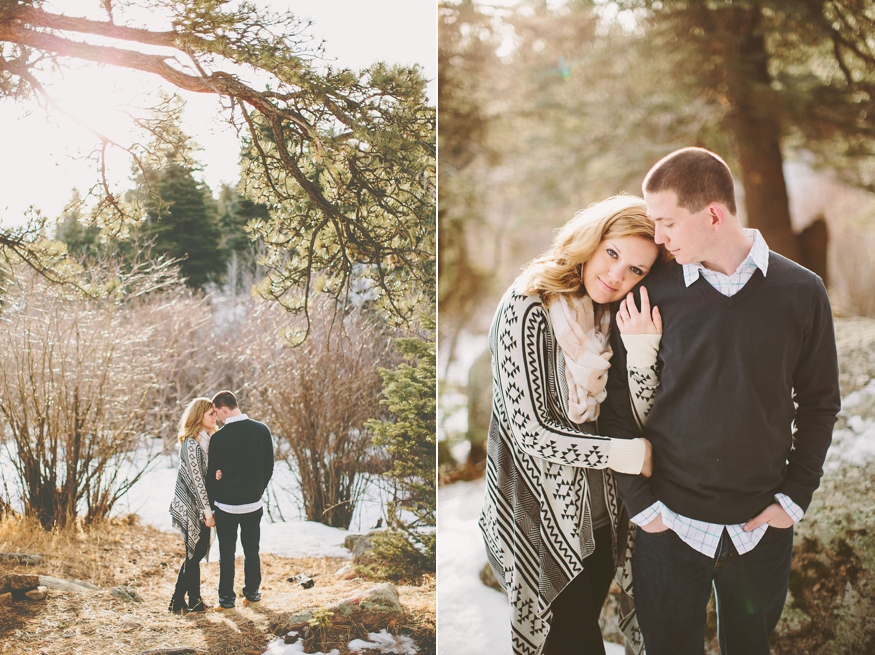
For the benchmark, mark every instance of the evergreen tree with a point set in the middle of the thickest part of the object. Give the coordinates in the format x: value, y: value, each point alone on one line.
x: 240, y: 245
x: 407, y: 548
x: 789, y: 73
x: 80, y: 235
x: 345, y: 159
x: 181, y: 223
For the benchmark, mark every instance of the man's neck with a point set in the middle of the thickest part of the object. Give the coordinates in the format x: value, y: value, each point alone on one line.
x: 734, y: 248
x: 234, y: 412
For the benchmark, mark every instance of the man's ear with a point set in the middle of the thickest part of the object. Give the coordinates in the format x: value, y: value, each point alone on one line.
x: 717, y: 214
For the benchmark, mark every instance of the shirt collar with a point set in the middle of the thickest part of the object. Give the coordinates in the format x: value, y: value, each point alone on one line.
x: 757, y: 257
x: 234, y: 419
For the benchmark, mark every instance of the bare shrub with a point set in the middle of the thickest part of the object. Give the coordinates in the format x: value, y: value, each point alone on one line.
x: 317, y: 398
x: 83, y: 379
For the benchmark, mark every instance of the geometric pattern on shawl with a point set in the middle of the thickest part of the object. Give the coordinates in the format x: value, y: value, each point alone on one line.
x: 536, y: 519
x: 190, y: 497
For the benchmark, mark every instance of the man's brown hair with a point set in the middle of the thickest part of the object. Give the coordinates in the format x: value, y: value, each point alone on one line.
x: 696, y: 175
x: 225, y: 399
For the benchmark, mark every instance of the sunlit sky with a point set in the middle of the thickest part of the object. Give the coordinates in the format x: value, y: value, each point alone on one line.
x: 43, y: 158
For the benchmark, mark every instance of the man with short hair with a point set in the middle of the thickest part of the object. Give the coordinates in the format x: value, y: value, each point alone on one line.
x: 240, y: 466
x: 741, y: 422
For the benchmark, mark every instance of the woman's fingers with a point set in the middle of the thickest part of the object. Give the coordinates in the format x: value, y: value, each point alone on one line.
x: 631, y: 320
x: 645, y: 302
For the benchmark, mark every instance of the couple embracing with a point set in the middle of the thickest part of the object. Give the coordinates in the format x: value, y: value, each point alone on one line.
x: 670, y: 439
x: 222, y: 477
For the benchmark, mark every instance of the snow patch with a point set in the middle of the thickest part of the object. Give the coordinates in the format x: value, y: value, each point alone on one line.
x: 385, y: 642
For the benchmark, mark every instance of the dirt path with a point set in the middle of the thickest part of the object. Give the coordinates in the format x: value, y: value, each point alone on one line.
x: 124, y: 553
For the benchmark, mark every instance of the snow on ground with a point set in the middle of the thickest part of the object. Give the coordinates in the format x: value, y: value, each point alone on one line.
x: 472, y: 618
x: 382, y: 642
x: 854, y: 443
x: 150, y: 499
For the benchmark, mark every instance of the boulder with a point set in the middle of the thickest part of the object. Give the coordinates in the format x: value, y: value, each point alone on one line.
x: 126, y: 594
x: 346, y: 572
x: 18, y: 582
x: 487, y: 577
x: 39, y: 593
x: 382, y: 599
x: 361, y: 546
x: 64, y: 585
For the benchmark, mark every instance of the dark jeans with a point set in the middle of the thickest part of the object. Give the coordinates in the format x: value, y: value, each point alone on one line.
x: 575, y: 624
x: 673, y: 582
x: 189, y: 579
x: 250, y: 536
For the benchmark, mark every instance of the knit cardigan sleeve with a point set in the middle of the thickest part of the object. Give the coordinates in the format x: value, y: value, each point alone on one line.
x: 194, y: 461
x: 531, y: 393
x: 643, y: 376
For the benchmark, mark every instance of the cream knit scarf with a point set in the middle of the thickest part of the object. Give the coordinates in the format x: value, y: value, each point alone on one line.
x: 582, y: 333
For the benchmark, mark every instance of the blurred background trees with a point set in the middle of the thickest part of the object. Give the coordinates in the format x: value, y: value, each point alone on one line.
x: 547, y: 107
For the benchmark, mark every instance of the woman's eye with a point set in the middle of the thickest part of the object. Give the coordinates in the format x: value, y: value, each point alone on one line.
x: 637, y: 271
x: 612, y: 252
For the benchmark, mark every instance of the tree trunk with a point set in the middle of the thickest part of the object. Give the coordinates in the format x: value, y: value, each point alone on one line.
x: 754, y: 123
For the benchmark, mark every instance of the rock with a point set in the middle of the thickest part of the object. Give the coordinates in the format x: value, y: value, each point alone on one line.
x: 347, y: 572
x: 64, y: 585
x: 22, y: 558
x: 126, y: 594
x: 361, y: 546
x: 87, y: 585
x: 5, y: 599
x: 487, y: 577
x: 39, y: 593
x: 382, y: 599
x: 299, y: 621
x: 18, y: 582
x: 302, y: 579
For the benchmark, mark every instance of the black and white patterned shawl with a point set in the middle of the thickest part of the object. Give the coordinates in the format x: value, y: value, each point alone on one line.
x: 536, y: 518
x: 190, y: 497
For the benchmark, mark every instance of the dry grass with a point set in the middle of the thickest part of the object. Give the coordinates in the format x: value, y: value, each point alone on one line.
x: 125, y: 553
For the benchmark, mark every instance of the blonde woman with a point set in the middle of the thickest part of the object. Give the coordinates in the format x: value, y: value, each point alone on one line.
x: 190, y: 508
x: 554, y: 528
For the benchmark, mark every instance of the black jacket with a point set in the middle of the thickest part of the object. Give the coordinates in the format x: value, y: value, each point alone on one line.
x: 243, y: 451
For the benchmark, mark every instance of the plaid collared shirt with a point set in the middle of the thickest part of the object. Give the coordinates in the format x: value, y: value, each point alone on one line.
x: 729, y: 285
x: 701, y: 535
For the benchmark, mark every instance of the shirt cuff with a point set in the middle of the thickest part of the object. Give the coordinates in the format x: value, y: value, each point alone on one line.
x: 208, y: 513
x: 644, y: 517
x: 626, y: 456
x: 790, y: 507
x: 641, y: 349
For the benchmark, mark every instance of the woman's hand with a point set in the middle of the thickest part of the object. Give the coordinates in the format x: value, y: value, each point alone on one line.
x: 647, y: 467
x: 632, y: 321
x: 219, y: 474
x: 210, y: 522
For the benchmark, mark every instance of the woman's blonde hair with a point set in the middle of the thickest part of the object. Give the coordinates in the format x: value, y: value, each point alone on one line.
x: 559, y: 269
x: 191, y: 423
